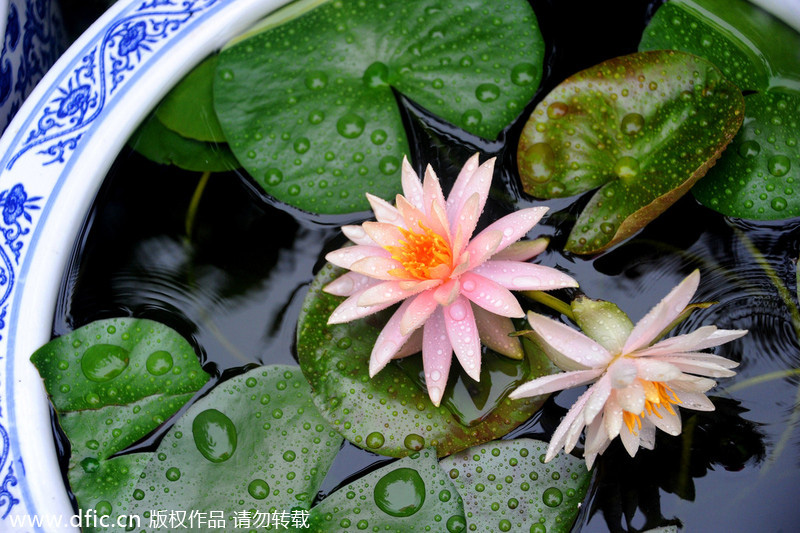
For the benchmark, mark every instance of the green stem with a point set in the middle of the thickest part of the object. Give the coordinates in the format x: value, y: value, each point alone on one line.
x: 763, y: 378
x: 191, y: 212
x: 552, y: 302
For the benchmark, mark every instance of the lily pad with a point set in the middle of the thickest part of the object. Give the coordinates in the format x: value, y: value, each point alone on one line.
x: 188, y: 109
x: 111, y: 383
x: 506, y: 486
x: 255, y: 442
x: 389, y: 414
x: 756, y: 178
x: 308, y: 104
x: 752, y: 48
x: 160, y: 144
x: 643, y: 127
x: 412, y: 494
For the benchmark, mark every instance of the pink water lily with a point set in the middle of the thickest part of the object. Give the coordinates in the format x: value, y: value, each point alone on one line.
x: 454, y: 289
x: 636, y: 382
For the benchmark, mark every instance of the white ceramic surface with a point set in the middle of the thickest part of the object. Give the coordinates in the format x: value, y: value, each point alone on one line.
x: 33, y: 38
x: 54, y: 156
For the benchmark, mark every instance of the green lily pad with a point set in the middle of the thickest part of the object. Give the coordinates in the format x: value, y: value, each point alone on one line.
x: 643, y: 127
x: 188, y: 109
x: 255, y: 442
x: 160, y: 144
x: 308, y: 105
x: 506, y: 486
x: 758, y: 176
x: 112, y: 382
x: 412, y: 494
x: 755, y: 178
x: 388, y: 414
x: 752, y: 48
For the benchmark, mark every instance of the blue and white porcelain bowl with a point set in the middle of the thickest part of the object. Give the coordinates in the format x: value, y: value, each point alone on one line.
x: 54, y: 156
x: 33, y: 38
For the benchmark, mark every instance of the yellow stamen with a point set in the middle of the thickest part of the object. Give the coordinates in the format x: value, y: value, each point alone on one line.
x: 420, y: 253
x: 657, y: 395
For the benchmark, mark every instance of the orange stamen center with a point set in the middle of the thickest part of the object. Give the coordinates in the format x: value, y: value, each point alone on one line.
x: 657, y: 395
x: 420, y: 254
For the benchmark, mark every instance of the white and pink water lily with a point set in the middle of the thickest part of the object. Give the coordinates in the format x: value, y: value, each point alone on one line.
x: 635, y: 380
x: 455, y: 289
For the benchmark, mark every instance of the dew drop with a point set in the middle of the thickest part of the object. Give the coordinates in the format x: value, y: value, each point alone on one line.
x: 389, y: 165
x: 316, y: 80
x: 523, y: 74
x: 258, y: 489
x: 375, y: 440
x: 456, y: 524
x: 104, y: 362
x: 294, y: 190
x: 557, y: 110
x: 350, y: 125
x: 103, y: 508
x: 378, y: 137
x: 138, y: 494
x: 173, y: 474
x: 400, y: 493
x: 626, y: 167
x: 90, y: 465
x: 316, y: 117
x: 92, y: 444
x: 414, y: 442
x: 555, y: 189
x: 487, y: 92
x: 289, y: 456
x: 778, y: 204
x: 608, y: 228
x: 779, y: 165
x: 468, y: 285
x: 632, y: 123
x: 159, y: 362
x: 471, y: 117
x: 376, y: 75
x: 457, y: 311
x: 436, y: 375
x: 214, y: 435
x: 273, y: 176
x: 539, y: 162
x: 552, y: 497
x: 749, y: 149
x: 301, y: 145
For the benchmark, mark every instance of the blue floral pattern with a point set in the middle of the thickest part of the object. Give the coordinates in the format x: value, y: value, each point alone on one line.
x: 60, y: 122
x: 126, y: 43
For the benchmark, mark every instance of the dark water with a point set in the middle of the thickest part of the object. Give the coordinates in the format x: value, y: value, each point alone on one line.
x: 234, y: 290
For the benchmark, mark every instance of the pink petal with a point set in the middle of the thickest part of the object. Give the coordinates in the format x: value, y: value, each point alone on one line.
x: 383, y: 234
x: 612, y: 416
x: 478, y: 182
x: 412, y: 188
x: 464, y: 224
x: 668, y: 423
x: 596, y: 441
x: 349, y: 283
x: 463, y: 335
x: 344, y: 257
x: 437, y: 355
x: 412, y: 217
x: 516, y: 225
x: 631, y: 398
x: 555, y: 382
x: 447, y: 293
x: 573, y: 433
x: 704, y: 337
x: 657, y: 370
x: 524, y: 276
x: 691, y: 383
x: 702, y: 368
x: 412, y: 346
x: 560, y: 434
x: 720, y: 336
x: 377, y: 267
x: 647, y: 435
x: 482, y: 248
x: 695, y: 400
x: 701, y: 356
x: 384, y: 211
x: 389, y: 292
x: 494, y: 332
x: 357, y: 235
x: 432, y: 192
x: 662, y: 314
x: 421, y: 308
x: 490, y: 295
x: 630, y: 441
x: 522, y: 250
x: 461, y: 189
x: 622, y: 373
x: 389, y: 341
x: 567, y: 348
x: 601, y: 392
x: 350, y: 310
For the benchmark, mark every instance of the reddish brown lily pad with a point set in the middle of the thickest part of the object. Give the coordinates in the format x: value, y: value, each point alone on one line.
x: 643, y: 127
